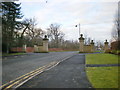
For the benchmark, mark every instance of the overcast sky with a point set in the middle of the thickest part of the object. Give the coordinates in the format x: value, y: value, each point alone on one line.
x: 96, y: 17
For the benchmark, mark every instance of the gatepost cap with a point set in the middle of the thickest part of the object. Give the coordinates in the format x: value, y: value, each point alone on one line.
x: 81, y: 38
x: 106, y: 42
x: 92, y: 42
x: 45, y: 37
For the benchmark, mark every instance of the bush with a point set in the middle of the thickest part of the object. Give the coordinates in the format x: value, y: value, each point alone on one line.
x: 117, y: 52
x: 108, y: 51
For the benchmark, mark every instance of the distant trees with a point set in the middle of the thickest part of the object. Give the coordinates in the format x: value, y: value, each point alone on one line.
x: 56, y: 38
x: 99, y: 45
x: 87, y: 39
x: 70, y: 45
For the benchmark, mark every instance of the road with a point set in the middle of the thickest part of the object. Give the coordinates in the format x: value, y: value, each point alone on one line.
x: 13, y: 67
x: 70, y: 73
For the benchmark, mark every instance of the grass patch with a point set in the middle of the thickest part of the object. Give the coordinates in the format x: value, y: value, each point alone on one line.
x: 102, y: 58
x: 103, y: 77
x: 12, y: 54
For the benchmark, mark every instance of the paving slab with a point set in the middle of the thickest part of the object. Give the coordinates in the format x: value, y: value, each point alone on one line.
x: 68, y: 74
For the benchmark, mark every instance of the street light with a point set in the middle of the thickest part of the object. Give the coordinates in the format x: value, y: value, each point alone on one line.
x: 79, y: 27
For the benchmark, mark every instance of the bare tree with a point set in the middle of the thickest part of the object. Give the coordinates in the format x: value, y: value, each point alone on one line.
x: 99, y: 45
x: 35, y: 35
x: 20, y: 31
x: 114, y: 32
x: 28, y: 32
x: 116, y: 29
x: 55, y: 34
x: 87, y: 39
x: 86, y: 36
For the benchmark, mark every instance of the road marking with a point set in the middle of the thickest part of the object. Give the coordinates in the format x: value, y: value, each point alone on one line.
x: 24, y: 78
x: 21, y: 76
x: 28, y: 75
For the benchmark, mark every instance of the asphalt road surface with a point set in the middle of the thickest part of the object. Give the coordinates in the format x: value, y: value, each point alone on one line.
x: 13, y: 67
x: 70, y: 73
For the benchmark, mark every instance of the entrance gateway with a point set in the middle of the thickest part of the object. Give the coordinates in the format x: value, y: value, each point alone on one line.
x: 82, y: 47
x: 91, y: 47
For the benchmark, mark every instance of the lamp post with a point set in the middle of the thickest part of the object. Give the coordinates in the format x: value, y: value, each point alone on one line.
x: 79, y: 27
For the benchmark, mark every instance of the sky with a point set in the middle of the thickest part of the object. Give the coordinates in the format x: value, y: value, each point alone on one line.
x: 96, y: 17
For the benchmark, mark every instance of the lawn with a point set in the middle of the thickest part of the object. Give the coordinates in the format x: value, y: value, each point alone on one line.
x: 101, y: 58
x: 102, y: 77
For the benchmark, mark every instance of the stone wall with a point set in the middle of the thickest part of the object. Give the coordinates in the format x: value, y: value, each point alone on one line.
x: 36, y: 48
x: 21, y: 49
x: 87, y: 48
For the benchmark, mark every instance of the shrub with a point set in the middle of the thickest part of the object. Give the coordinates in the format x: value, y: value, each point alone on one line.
x: 117, y: 52
x: 108, y: 51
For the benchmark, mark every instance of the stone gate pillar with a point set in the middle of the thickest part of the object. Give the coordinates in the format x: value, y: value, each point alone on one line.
x: 24, y: 48
x: 92, y: 46
x: 81, y: 40
x: 35, y: 48
x: 106, y: 47
x: 45, y: 44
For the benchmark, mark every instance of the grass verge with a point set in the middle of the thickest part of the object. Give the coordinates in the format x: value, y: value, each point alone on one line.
x: 103, y: 77
x: 12, y: 54
x: 102, y: 58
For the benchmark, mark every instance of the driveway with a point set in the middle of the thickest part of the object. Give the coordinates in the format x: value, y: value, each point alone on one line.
x: 69, y: 73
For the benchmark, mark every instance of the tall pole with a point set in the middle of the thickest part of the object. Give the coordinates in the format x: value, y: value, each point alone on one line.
x: 79, y: 29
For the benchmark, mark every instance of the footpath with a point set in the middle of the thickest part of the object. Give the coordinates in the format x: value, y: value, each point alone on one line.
x: 68, y: 74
